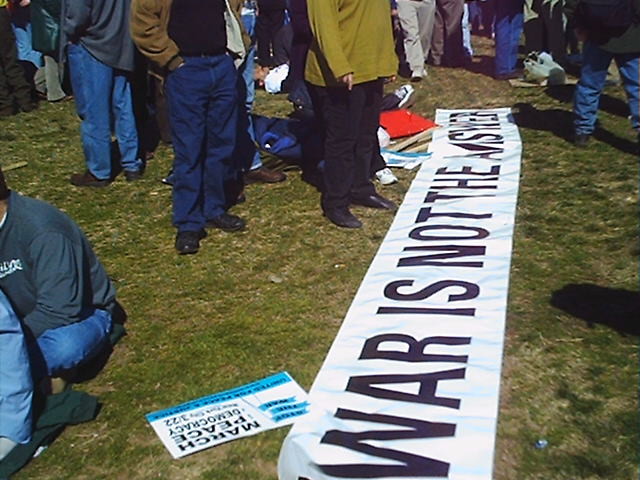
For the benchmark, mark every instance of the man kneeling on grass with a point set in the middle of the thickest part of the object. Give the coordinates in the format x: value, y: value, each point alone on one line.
x: 52, y: 284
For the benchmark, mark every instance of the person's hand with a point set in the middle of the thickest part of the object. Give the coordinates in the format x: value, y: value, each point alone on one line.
x: 24, y: 3
x: 347, y: 80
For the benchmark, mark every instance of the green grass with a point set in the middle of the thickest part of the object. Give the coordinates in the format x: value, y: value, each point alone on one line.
x: 204, y: 323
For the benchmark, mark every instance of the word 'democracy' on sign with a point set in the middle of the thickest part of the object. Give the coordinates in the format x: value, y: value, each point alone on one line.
x: 410, y: 386
x: 269, y: 403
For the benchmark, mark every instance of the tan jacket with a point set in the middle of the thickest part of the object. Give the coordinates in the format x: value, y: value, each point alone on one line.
x: 149, y: 30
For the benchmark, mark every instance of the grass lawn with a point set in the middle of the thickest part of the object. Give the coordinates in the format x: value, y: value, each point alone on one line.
x: 207, y: 322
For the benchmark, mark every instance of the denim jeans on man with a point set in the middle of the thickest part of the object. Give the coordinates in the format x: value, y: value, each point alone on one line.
x: 248, y: 86
x: 595, y: 63
x: 203, y: 109
x: 508, y: 28
x: 62, y: 348
x: 103, y: 99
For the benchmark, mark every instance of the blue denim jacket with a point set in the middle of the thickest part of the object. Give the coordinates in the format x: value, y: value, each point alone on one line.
x: 16, y: 386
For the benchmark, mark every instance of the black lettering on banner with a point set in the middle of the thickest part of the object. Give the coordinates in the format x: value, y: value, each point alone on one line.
x: 405, y: 464
x: 415, y: 349
x: 464, y: 183
x: 460, y: 135
x: 418, y: 233
x: 495, y: 170
x: 475, y: 117
x: 432, y: 197
x: 450, y: 251
x: 465, y: 312
x: 425, y: 214
x: 471, y: 290
x: 364, y: 385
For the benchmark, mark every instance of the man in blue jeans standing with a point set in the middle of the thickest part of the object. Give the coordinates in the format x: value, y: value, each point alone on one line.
x: 100, y: 51
x: 193, y: 45
x: 55, y: 303
x: 613, y: 37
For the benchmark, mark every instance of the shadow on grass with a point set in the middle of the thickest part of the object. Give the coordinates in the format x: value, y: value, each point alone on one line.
x: 560, y: 123
x: 616, y: 308
x: 609, y: 104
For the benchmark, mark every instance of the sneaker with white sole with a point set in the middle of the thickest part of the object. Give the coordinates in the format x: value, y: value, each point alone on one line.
x: 386, y: 176
x: 404, y: 93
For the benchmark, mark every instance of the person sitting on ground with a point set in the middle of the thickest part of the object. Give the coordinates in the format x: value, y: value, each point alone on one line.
x: 55, y: 285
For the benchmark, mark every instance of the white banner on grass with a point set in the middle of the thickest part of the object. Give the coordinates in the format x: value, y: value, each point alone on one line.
x: 410, y: 386
x: 269, y: 403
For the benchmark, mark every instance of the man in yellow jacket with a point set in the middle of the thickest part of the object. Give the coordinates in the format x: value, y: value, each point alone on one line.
x: 351, y: 53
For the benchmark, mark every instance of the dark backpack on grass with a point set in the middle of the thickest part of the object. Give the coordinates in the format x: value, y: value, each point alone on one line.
x: 606, y: 16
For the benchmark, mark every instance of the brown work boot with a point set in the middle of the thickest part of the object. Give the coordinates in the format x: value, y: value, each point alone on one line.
x: 264, y: 175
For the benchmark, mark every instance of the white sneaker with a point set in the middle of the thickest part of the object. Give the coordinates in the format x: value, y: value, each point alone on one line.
x: 386, y: 176
x: 418, y: 75
x: 404, y: 93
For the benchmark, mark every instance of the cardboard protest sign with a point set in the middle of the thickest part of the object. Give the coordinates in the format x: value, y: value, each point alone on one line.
x: 269, y: 403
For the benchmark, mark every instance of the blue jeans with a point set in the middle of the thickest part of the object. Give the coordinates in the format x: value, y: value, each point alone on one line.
x: 248, y: 86
x: 595, y: 63
x: 203, y: 110
x: 508, y: 28
x: 66, y: 347
x: 103, y: 98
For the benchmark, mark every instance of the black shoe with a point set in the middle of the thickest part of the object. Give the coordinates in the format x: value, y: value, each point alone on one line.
x: 581, y: 140
x: 87, y: 179
x: 342, y: 217
x: 189, y: 242
x: 375, y: 201
x: 133, y: 175
x: 227, y: 222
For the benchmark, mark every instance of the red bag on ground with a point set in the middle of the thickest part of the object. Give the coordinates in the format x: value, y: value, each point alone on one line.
x: 402, y: 123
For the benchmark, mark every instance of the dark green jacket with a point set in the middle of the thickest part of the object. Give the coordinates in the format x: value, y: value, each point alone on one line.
x: 47, y: 267
x: 45, y: 25
x: 625, y: 42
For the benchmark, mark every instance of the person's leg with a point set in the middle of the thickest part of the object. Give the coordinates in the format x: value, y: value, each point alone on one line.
x: 507, y: 29
x: 125, y: 123
x: 60, y: 349
x: 437, y: 39
x: 52, y: 79
x: 426, y: 10
x: 554, y: 23
x: 221, y: 170
x: 595, y: 63
x: 630, y: 75
x: 282, y: 39
x: 452, y: 20
x: 367, y: 99
x: 408, y: 16
x: 187, y: 93
x: 92, y: 83
x: 466, y: 32
x: 13, y: 84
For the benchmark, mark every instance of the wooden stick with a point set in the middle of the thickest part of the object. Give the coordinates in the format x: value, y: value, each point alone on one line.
x: 424, y: 135
x: 14, y: 166
x: 418, y: 148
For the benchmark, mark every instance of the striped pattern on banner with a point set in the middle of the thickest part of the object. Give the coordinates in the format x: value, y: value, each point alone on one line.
x: 410, y: 386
